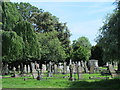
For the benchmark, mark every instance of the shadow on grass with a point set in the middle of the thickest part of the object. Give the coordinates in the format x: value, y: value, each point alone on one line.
x: 110, y: 84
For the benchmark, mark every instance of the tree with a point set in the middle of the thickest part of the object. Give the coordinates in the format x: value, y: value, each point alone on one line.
x: 31, y: 49
x: 26, y: 10
x: 109, y: 37
x: 51, y: 47
x: 97, y: 53
x: 10, y: 16
x: 46, y: 22
x: 12, y: 46
x: 81, y: 49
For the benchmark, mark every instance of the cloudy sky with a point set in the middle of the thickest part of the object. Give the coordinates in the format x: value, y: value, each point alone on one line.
x: 84, y: 18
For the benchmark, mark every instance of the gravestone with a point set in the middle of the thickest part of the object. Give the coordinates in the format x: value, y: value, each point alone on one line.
x: 112, y: 71
x: 28, y: 69
x: 18, y: 68
x: 60, y: 68
x: 64, y: 68
x: 86, y: 69
x: 25, y: 69
x: 55, y: 69
x: 49, y: 69
x: 14, y: 73
x: 43, y: 68
x: 34, y: 72
x: 68, y: 70
x: 93, y: 64
x: 79, y: 71
x: 82, y: 66
x: 71, y: 71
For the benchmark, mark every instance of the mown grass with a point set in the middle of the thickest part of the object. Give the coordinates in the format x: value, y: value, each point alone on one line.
x: 59, y: 82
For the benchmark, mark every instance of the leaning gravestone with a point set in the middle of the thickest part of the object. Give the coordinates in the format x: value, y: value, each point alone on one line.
x: 112, y: 71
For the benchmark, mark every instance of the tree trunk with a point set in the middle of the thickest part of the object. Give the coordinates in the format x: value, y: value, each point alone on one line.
x: 118, y: 66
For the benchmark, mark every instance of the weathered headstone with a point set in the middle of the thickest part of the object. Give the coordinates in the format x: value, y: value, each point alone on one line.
x: 60, y: 68
x: 43, y: 68
x: 79, y: 71
x: 49, y: 70
x: 112, y: 71
x: 71, y: 71
x: 86, y: 68
x: 34, y: 72
x: 55, y: 69
x: 82, y: 66
x: 64, y: 68
x: 25, y: 69
x: 93, y: 64
x: 14, y: 72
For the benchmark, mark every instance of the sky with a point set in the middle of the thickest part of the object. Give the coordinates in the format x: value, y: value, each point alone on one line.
x: 83, y: 18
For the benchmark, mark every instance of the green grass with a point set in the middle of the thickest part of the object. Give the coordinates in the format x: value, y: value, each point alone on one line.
x: 59, y: 82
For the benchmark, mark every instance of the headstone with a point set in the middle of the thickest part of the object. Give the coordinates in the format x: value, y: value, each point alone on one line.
x: 14, y: 72
x: 86, y: 69
x: 18, y: 68
x: 79, y: 71
x: 71, y: 71
x: 34, y: 72
x: 55, y: 69
x: 28, y: 69
x: 68, y: 70
x: 64, y: 68
x: 49, y: 70
x: 43, y: 68
x: 60, y: 68
x: 112, y: 71
x: 93, y: 64
x: 82, y: 66
x: 25, y: 69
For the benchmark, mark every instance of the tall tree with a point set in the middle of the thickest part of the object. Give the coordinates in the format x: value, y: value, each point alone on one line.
x: 10, y: 16
x: 31, y: 49
x: 81, y: 49
x: 12, y: 46
x: 109, y: 37
x: 51, y: 47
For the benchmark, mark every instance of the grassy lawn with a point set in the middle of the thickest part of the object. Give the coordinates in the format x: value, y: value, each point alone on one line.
x: 59, y: 82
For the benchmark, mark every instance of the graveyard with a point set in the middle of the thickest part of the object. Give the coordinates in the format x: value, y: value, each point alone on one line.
x: 39, y: 50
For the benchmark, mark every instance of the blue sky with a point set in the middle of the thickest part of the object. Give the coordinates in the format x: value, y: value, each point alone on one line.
x: 83, y: 18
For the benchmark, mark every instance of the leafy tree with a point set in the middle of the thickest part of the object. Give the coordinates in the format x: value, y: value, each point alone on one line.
x: 97, y: 53
x: 26, y: 10
x: 10, y: 16
x: 80, y: 54
x: 51, y: 47
x: 31, y: 45
x: 81, y: 49
x: 109, y: 37
x: 46, y: 22
x: 12, y: 46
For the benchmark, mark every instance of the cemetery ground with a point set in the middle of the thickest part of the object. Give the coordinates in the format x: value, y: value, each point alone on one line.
x: 61, y: 81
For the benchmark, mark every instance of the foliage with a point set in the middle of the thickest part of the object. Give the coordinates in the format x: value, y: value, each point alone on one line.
x: 97, y: 53
x: 26, y: 10
x: 81, y: 49
x: 31, y: 45
x: 109, y: 37
x: 10, y: 16
x: 51, y: 47
x: 12, y: 46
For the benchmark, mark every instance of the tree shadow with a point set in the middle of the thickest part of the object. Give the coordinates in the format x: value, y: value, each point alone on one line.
x: 102, y: 84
